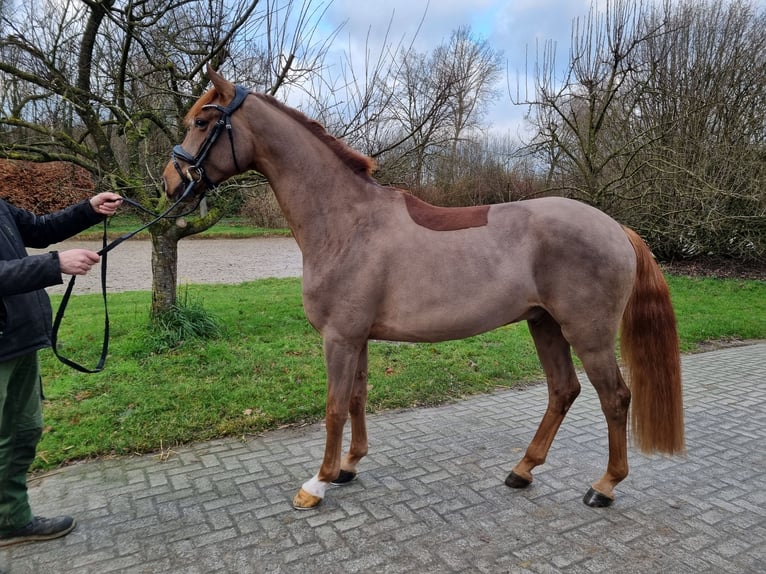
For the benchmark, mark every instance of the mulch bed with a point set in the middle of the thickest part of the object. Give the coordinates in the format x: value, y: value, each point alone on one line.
x: 717, y: 267
x: 43, y: 187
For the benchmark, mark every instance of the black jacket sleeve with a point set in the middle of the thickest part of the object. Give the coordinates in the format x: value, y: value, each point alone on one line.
x: 40, y: 231
x: 22, y: 273
x: 29, y: 273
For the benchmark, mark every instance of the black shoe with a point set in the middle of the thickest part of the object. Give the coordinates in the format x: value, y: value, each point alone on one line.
x: 40, y: 529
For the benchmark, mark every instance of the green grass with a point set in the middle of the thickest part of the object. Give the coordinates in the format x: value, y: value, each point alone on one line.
x: 227, y: 228
x: 714, y: 309
x: 264, y: 368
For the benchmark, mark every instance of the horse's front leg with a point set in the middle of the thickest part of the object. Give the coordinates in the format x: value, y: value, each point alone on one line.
x: 357, y: 408
x: 342, y: 359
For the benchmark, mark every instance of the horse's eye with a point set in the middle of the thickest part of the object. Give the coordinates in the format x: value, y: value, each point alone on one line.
x: 198, y: 123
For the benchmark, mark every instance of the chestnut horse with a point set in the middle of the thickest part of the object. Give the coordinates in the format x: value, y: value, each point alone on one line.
x: 380, y: 264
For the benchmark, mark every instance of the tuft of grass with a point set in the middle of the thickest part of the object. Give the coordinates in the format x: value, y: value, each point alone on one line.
x: 185, y: 321
x: 262, y: 367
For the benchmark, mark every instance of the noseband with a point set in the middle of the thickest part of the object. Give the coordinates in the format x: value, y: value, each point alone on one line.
x: 195, y: 161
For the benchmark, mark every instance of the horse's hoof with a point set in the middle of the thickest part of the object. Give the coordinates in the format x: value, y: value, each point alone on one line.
x: 595, y: 499
x: 344, y: 477
x: 513, y: 480
x: 305, y: 501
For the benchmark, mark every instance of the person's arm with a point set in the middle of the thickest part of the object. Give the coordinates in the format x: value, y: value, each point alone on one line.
x: 39, y: 271
x: 29, y: 273
x: 40, y: 231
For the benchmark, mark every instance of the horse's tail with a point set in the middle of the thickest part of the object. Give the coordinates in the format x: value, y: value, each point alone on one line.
x: 649, y: 348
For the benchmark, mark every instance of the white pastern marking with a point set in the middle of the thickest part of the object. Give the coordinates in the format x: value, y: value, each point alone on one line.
x: 315, y: 486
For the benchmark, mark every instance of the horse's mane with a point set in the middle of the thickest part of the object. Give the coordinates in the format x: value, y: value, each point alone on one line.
x: 357, y: 162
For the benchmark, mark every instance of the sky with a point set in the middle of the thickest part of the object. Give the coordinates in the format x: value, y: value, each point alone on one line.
x: 516, y: 28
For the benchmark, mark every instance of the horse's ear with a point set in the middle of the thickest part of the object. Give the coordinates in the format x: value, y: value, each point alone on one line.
x: 222, y: 86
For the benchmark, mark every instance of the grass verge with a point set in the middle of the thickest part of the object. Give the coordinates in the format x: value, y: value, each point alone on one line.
x: 263, y: 366
x: 228, y: 228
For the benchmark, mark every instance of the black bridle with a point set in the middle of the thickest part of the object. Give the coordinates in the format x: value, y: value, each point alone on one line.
x: 195, y: 164
x: 195, y: 161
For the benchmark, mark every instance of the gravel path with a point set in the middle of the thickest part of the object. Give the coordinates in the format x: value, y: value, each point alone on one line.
x: 199, y: 261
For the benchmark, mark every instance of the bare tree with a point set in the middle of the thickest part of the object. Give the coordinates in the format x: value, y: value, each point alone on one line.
x: 416, y: 117
x: 473, y: 68
x: 660, y: 121
x: 105, y: 85
x: 580, y: 121
x: 705, y: 169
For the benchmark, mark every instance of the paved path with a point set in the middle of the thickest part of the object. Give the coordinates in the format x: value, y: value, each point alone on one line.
x: 430, y: 498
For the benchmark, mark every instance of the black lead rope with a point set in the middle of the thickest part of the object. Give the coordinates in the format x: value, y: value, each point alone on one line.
x: 107, y: 247
x: 60, y: 315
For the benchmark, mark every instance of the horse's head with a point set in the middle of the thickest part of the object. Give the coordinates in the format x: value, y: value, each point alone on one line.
x: 209, y: 153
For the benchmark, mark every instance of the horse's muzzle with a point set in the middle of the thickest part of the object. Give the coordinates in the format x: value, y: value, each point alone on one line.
x: 184, y: 190
x: 181, y: 188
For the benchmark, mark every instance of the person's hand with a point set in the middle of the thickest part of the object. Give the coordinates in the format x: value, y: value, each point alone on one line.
x: 77, y: 261
x: 106, y: 203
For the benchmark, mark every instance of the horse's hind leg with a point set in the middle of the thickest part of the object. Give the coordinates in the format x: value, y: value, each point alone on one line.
x: 563, y: 388
x: 614, y: 395
x: 358, y: 448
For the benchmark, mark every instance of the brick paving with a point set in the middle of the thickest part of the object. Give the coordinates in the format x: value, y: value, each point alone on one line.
x: 430, y: 497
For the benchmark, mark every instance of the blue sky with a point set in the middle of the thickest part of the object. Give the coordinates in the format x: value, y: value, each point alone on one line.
x: 513, y: 27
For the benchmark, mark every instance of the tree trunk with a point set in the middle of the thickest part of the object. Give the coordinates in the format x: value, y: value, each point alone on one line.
x: 164, y: 271
x: 165, y: 237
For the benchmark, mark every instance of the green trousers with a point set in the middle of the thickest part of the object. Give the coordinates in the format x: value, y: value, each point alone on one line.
x: 21, y: 426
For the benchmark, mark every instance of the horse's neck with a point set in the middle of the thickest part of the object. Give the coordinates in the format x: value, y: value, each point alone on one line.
x: 315, y: 189
x: 320, y: 210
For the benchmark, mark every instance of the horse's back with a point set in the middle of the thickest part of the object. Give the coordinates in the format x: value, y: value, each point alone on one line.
x: 561, y: 220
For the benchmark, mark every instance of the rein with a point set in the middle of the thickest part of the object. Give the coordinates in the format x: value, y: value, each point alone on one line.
x: 195, y: 165
x: 107, y: 247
